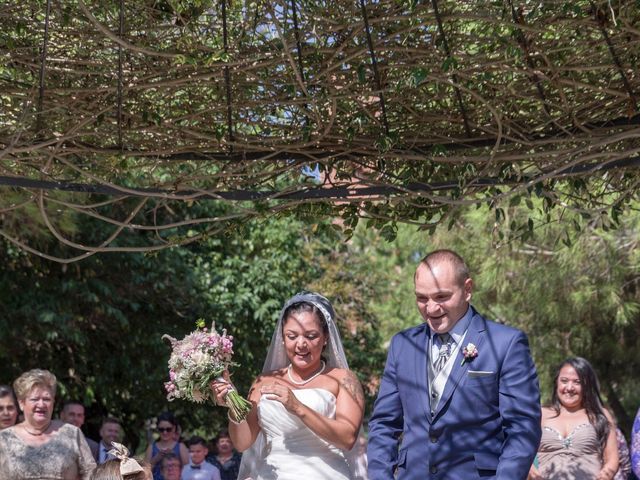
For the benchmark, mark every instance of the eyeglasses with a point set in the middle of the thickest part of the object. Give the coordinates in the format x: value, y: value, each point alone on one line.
x: 165, y: 429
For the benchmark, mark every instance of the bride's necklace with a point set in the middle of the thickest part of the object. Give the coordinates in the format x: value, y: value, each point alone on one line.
x: 37, y: 433
x: 303, y: 382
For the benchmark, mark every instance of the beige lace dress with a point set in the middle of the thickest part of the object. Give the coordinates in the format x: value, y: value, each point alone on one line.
x: 66, y: 456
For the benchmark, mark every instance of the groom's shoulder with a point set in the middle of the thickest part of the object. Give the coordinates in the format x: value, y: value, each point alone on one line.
x: 410, y: 332
x: 498, y: 328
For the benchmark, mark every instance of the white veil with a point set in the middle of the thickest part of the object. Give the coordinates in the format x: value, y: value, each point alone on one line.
x: 277, y: 359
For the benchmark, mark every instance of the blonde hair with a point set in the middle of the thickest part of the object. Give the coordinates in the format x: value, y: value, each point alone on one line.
x: 110, y: 470
x: 34, y: 378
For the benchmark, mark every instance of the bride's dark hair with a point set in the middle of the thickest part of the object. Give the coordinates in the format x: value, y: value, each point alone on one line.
x: 302, y: 307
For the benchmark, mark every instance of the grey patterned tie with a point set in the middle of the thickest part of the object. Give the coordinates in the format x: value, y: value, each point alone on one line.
x: 444, y: 352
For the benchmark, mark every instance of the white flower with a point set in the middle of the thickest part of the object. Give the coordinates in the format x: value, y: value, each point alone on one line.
x: 469, y: 353
x: 197, y: 396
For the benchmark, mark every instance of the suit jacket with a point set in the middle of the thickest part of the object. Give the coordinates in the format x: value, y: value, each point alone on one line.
x: 486, y: 425
x: 94, y: 447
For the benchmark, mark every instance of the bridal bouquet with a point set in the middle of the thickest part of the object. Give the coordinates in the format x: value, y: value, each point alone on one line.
x: 197, y: 360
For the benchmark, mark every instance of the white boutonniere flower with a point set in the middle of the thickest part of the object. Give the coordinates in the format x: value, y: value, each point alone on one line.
x: 469, y: 353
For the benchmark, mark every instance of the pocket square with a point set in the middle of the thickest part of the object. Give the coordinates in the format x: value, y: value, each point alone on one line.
x: 479, y: 373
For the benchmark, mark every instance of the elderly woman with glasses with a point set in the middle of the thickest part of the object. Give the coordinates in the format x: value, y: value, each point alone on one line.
x: 40, y: 447
x: 165, y: 445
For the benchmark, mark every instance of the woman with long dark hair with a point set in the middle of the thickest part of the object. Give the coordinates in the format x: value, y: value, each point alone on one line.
x: 307, y: 404
x: 578, y: 433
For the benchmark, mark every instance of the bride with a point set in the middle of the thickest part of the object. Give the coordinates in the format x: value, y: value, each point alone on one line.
x: 307, y: 404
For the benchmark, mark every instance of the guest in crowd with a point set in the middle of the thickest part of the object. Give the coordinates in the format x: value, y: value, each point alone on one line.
x: 198, y: 468
x: 177, y: 434
x: 225, y: 458
x: 635, y: 445
x: 166, y: 444
x: 73, y: 412
x: 110, y: 431
x: 8, y: 407
x: 170, y: 466
x: 40, y: 447
x: 122, y: 467
x: 578, y: 433
x: 624, y: 459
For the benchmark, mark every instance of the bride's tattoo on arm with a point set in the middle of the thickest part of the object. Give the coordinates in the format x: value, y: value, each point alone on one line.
x: 352, y: 385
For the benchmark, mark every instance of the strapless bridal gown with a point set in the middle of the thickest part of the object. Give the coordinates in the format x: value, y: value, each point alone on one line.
x: 292, y: 451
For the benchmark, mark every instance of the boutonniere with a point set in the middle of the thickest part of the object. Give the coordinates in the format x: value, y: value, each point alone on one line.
x: 469, y: 353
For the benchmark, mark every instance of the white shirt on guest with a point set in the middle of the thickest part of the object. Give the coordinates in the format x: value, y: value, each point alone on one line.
x: 205, y: 472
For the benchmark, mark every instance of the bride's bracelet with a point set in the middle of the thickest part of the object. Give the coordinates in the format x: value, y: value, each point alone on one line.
x: 232, y: 420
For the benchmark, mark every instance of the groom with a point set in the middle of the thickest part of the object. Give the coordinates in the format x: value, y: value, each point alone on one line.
x: 459, y: 396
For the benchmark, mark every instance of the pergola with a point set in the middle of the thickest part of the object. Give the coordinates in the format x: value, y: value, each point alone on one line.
x: 396, y: 110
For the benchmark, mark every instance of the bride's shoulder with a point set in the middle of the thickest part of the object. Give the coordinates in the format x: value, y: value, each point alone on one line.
x: 268, y: 377
x: 349, y: 382
x: 341, y: 373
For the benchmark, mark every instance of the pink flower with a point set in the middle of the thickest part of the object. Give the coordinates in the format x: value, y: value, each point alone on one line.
x: 195, y: 361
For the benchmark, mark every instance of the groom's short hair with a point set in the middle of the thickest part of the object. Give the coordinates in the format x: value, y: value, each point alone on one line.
x: 444, y: 255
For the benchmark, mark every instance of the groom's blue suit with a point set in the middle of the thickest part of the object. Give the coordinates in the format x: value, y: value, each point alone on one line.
x: 486, y: 425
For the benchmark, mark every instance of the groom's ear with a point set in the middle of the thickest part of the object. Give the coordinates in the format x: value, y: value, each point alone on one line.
x: 468, y: 288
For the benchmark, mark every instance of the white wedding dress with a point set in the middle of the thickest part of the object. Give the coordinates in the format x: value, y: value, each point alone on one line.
x: 292, y: 451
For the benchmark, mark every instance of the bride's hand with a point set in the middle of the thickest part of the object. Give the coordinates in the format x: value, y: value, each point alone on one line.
x: 220, y: 387
x: 283, y: 394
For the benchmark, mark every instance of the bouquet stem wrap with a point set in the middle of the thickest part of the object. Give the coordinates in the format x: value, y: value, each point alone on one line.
x: 238, y: 406
x: 198, y: 359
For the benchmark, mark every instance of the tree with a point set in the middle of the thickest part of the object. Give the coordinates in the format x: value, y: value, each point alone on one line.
x: 397, y: 111
x: 571, y: 283
x: 98, y: 324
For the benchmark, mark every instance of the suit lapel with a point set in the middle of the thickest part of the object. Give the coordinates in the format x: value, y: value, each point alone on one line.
x: 476, y: 335
x: 420, y: 361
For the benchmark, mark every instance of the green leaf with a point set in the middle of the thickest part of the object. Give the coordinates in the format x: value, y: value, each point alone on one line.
x: 418, y: 75
x: 450, y: 63
x: 362, y: 73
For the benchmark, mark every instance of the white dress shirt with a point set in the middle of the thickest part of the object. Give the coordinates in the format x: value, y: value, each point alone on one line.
x: 437, y: 381
x: 204, y: 471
